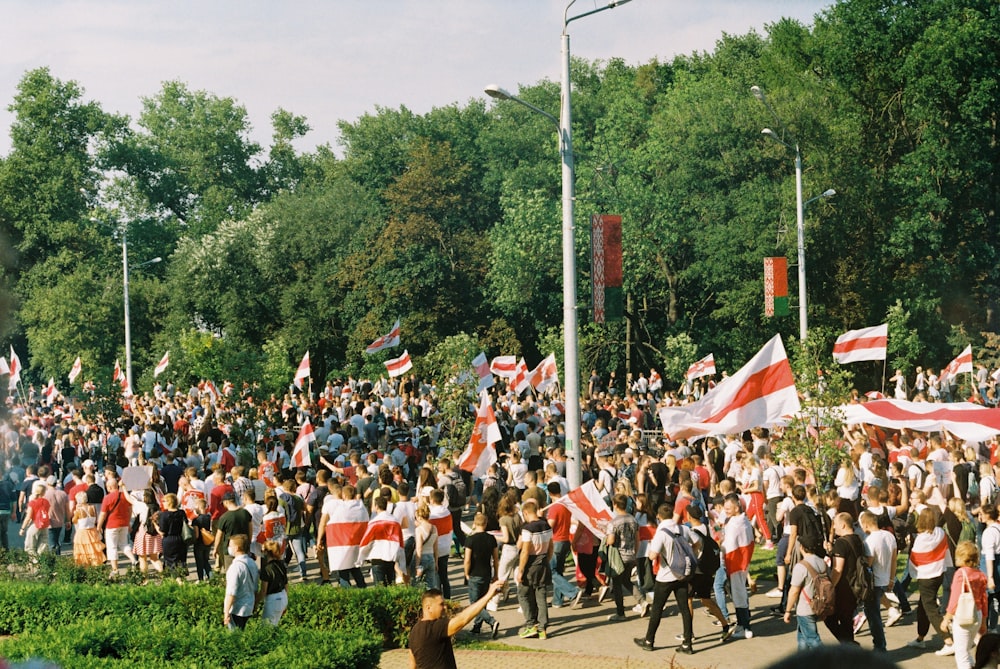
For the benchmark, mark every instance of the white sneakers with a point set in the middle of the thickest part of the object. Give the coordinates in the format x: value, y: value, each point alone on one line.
x: 894, y: 615
x: 774, y: 594
x: 947, y: 649
x: 741, y: 633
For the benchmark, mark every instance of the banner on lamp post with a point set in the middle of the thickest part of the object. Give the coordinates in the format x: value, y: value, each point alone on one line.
x: 606, y: 264
x: 776, y: 286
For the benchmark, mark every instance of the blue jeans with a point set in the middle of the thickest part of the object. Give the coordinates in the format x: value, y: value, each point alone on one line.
x: 560, y: 549
x: 562, y: 589
x: 478, y: 586
x: 54, y: 544
x: 899, y: 588
x: 873, y: 611
x: 298, y: 546
x: 429, y: 570
x: 808, y: 633
x: 720, y: 591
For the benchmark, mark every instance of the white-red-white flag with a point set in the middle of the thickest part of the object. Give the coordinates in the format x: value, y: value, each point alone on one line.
x: 929, y: 555
x: 50, y: 392
x: 227, y: 388
x: 210, y: 390
x: 117, y: 375
x: 960, y: 365
x: 760, y: 393
x: 504, y: 366
x: 864, y: 344
x: 76, y: 369
x: 480, y: 453
x: 15, y: 369
x: 545, y: 374
x: 400, y: 365
x: 388, y: 340
x: 302, y: 372
x: 344, y: 532
x: 4, y: 367
x: 300, y: 454
x: 588, y: 507
x: 482, y: 367
x: 704, y: 367
x: 162, y: 365
x: 520, y: 378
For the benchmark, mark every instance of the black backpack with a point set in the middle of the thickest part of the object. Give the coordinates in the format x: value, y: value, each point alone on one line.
x: 813, y: 532
x: 455, y: 490
x: 861, y: 579
x: 710, y: 560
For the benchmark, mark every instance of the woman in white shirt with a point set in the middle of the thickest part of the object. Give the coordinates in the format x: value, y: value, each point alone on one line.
x: 848, y: 487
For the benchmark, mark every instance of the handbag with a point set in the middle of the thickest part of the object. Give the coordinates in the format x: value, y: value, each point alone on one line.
x: 187, y: 534
x: 207, y: 537
x: 965, y: 611
x: 612, y: 557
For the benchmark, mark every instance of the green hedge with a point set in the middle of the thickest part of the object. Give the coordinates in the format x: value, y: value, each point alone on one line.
x: 120, y: 643
x: 27, y: 607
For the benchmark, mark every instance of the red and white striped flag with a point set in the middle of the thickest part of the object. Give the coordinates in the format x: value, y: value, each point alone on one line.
x: 738, y: 544
x: 929, y: 555
x: 344, y: 532
x: 400, y: 365
x: 482, y: 367
x: 480, y: 452
x: 211, y: 391
x: 300, y: 454
x: 387, y: 340
x: 4, y: 367
x: 346, y: 391
x: 162, y: 365
x: 504, y: 366
x: 117, y: 376
x: 874, y: 395
x: 704, y: 367
x: 588, y: 507
x: 864, y: 344
x: 440, y: 518
x: 760, y: 393
x: 50, y: 392
x: 383, y: 540
x: 15, y: 369
x: 520, y: 380
x: 545, y: 374
x: 227, y: 388
x: 76, y: 369
x: 302, y: 372
x: 960, y: 365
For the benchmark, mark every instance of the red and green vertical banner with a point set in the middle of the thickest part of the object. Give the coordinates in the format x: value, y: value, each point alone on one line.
x: 606, y: 251
x: 776, y: 286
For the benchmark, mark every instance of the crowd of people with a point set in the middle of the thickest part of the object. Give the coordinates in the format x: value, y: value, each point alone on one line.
x: 188, y: 474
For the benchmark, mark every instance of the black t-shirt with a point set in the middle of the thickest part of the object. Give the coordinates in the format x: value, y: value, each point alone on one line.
x: 481, y: 545
x: 850, y: 548
x: 275, y: 574
x: 808, y: 526
x: 233, y: 522
x: 431, y: 645
x: 659, y: 471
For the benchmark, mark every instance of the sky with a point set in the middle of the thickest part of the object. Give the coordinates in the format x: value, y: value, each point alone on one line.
x: 333, y: 60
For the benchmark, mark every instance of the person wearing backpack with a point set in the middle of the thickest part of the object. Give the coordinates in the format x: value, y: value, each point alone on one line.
x: 709, y: 561
x: 847, y: 550
x: 811, y: 580
x: 673, y: 565
x: 881, y: 547
x: 623, y: 536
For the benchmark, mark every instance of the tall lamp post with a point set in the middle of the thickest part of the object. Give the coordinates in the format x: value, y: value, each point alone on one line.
x: 570, y: 327
x: 128, y: 322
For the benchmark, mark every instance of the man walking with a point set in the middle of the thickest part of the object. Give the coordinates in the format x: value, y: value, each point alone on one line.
x: 661, y: 549
x: 482, y: 562
x: 535, y: 572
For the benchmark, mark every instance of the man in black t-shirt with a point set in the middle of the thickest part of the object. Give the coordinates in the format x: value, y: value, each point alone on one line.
x: 234, y: 521
x: 482, y: 562
x: 430, y: 638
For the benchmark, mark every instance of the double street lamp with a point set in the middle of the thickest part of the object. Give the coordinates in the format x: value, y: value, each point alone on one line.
x: 570, y: 327
x: 800, y: 208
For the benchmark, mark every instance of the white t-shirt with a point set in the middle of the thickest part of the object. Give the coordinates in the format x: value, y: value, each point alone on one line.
x: 882, y: 546
x: 802, y: 578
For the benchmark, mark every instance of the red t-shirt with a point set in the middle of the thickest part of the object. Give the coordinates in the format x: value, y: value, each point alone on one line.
x: 215, y: 507
x: 680, y: 508
x: 559, y: 519
x: 117, y: 509
x: 40, y: 512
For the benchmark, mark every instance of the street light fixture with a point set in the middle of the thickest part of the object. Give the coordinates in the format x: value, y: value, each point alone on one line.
x: 128, y: 323
x: 570, y: 327
x: 822, y: 196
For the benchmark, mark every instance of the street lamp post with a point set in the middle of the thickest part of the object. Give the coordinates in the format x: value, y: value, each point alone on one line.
x: 128, y: 322
x: 570, y: 327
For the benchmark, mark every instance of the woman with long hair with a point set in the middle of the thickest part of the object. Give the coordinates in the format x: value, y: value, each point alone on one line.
x: 148, y: 543
x: 510, y: 531
x: 88, y: 549
x: 928, y: 569
x: 426, y: 551
x: 273, y: 590
x: 171, y: 522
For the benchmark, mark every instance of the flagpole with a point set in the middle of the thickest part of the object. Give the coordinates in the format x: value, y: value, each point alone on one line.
x: 883, y: 373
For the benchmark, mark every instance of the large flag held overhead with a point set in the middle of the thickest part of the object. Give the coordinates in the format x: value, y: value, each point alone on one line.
x: 302, y: 372
x: 960, y: 365
x: 864, y: 344
x: 15, y: 369
x: 504, y: 366
x: 480, y: 452
x: 50, y: 392
x: 966, y: 420
x: 162, y: 366
x: 300, y: 454
x: 760, y: 393
x: 400, y: 365
x: 545, y: 374
x: 704, y: 367
x: 482, y: 367
x: 76, y: 369
x: 588, y: 507
x: 387, y: 340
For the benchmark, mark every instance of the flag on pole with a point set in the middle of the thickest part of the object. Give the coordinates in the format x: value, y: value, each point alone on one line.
x: 116, y: 376
x: 520, y: 379
x: 300, y: 454
x: 961, y: 364
x: 761, y: 392
x: 704, y: 367
x: 504, y: 366
x: 302, y: 372
x: 15, y: 369
x: 400, y: 365
x: 50, y: 391
x: 76, y: 369
x: 4, y: 367
x: 482, y: 367
x: 588, y: 507
x: 480, y: 453
x: 388, y: 340
x: 227, y: 388
x: 864, y: 344
x: 162, y: 366
x: 211, y: 391
x: 545, y: 374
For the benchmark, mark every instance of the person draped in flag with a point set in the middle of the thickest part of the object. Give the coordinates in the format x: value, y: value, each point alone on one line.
x: 442, y: 520
x: 738, y: 545
x: 929, y: 557
x: 382, y: 544
x: 340, y: 530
